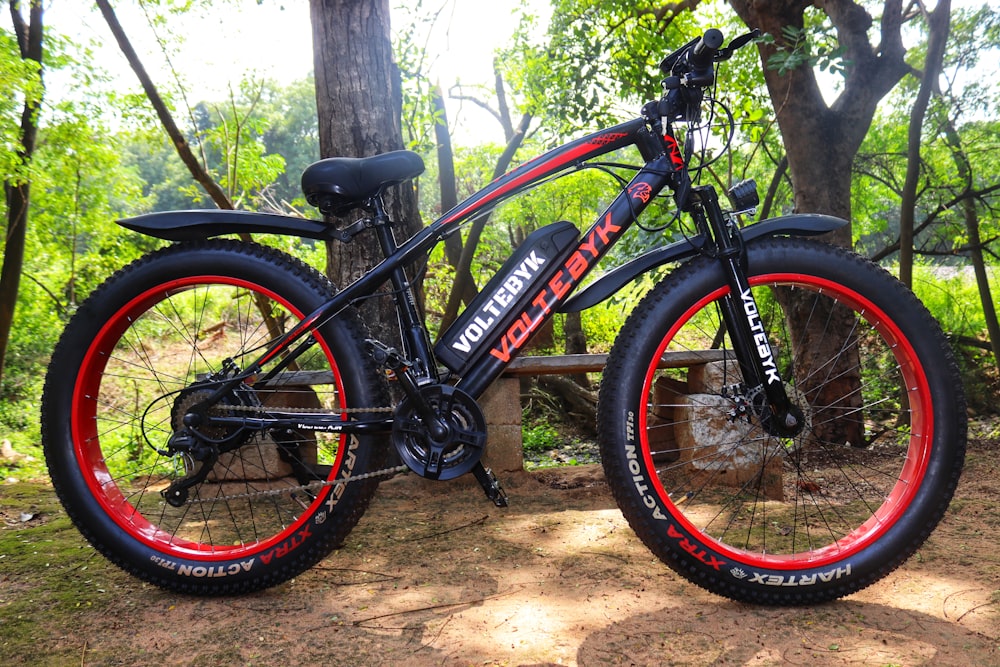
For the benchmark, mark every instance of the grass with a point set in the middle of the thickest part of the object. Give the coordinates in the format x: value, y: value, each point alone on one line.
x: 48, y: 572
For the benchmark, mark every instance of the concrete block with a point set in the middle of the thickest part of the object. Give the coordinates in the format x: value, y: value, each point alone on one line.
x: 502, y: 407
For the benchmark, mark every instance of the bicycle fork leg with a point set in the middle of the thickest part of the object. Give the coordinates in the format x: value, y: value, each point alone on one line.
x: 754, y: 353
x: 746, y: 329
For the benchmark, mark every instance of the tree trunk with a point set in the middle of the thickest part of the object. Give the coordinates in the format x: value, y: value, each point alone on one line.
x: 780, y: 173
x: 938, y: 22
x: 446, y: 171
x: 17, y: 189
x: 449, y: 188
x: 971, y: 218
x: 198, y: 171
x: 576, y: 343
x: 463, y: 274
x: 359, y: 104
x: 821, y: 142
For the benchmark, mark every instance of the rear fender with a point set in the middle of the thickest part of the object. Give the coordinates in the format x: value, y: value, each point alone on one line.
x: 805, y: 224
x: 202, y: 224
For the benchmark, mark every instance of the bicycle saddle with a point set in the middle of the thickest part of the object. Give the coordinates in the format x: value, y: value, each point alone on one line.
x: 338, y: 184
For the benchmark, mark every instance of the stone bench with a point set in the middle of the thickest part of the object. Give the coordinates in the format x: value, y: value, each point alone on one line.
x: 725, y: 455
x: 502, y: 402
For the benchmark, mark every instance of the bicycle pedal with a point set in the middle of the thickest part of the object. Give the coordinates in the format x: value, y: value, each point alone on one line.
x: 491, y: 485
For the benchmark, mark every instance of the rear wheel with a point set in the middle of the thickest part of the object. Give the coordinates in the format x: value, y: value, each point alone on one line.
x: 718, y: 493
x: 137, y: 357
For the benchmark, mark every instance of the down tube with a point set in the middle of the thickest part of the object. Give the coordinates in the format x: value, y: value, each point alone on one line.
x: 563, y: 278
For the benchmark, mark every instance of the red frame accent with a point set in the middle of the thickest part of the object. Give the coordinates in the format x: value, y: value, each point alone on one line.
x: 541, y: 167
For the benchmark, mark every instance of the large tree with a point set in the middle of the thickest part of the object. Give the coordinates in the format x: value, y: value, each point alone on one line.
x: 359, y: 103
x: 820, y: 138
x: 17, y: 186
x: 600, y: 50
x: 821, y: 141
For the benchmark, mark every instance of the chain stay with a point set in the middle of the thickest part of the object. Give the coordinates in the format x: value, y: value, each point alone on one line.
x: 270, y: 408
x: 318, y: 484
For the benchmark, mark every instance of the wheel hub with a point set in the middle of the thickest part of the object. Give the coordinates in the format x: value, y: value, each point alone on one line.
x: 752, y: 406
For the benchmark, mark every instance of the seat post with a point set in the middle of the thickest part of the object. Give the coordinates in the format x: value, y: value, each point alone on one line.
x: 417, y: 346
x: 383, y: 226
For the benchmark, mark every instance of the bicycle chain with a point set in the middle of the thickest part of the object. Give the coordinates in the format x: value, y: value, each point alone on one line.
x: 268, y: 408
x: 318, y: 484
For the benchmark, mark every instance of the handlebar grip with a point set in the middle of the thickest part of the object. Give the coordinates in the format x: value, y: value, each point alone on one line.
x: 702, y: 55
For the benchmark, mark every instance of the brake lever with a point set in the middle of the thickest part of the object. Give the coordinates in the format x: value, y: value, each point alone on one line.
x: 667, y: 64
x: 727, y: 52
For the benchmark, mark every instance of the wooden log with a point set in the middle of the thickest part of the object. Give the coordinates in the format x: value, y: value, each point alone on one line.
x: 567, y: 364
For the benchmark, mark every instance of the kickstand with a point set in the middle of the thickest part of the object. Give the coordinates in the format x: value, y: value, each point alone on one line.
x: 490, y: 485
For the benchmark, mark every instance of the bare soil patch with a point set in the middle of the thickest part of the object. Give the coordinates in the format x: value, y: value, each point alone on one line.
x: 434, y: 575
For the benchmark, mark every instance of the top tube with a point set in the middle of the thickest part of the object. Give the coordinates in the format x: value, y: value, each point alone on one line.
x: 541, y: 167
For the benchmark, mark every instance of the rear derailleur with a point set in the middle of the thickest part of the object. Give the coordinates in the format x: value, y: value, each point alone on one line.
x: 194, y: 448
x: 198, y: 441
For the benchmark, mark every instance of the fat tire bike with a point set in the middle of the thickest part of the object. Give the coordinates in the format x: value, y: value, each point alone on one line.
x: 780, y: 421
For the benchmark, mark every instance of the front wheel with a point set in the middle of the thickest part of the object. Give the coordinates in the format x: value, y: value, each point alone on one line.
x: 139, y: 355
x: 742, y: 507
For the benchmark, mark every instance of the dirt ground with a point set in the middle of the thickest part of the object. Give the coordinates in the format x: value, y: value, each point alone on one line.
x: 435, y: 575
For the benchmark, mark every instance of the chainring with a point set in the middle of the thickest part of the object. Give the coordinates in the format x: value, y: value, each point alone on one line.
x: 458, y: 451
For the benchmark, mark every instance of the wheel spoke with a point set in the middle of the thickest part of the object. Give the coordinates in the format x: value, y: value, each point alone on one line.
x: 134, y: 447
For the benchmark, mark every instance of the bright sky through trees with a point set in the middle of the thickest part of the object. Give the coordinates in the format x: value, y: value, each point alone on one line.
x: 274, y: 40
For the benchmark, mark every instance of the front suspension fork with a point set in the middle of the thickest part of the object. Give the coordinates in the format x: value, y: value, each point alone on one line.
x: 742, y: 319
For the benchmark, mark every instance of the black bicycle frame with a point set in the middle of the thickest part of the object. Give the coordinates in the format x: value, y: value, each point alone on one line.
x: 664, y: 166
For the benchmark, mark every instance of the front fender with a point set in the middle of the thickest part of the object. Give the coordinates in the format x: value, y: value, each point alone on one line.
x: 802, y: 224
x: 202, y: 224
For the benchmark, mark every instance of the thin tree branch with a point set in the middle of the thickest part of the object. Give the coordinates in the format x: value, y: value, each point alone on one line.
x: 166, y: 118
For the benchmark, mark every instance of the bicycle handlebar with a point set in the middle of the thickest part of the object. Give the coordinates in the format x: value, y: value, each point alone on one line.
x: 702, y: 55
x: 691, y: 69
x: 692, y: 65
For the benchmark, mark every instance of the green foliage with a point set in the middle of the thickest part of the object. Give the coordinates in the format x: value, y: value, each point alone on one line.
x: 596, y: 63
x: 594, y: 55
x: 21, y: 84
x: 812, y: 45
x: 951, y: 296
x: 539, y: 437
x: 291, y: 130
x: 412, y: 58
x: 602, y: 322
x: 230, y: 139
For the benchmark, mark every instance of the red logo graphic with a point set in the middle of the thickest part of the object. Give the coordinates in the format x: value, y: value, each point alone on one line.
x: 674, y: 151
x: 605, y: 139
x: 641, y: 191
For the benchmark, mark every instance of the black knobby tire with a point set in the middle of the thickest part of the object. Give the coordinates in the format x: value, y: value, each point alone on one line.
x: 118, y: 387
x: 711, y: 488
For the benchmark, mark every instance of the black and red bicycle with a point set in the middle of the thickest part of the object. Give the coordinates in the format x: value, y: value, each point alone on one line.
x: 780, y: 420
